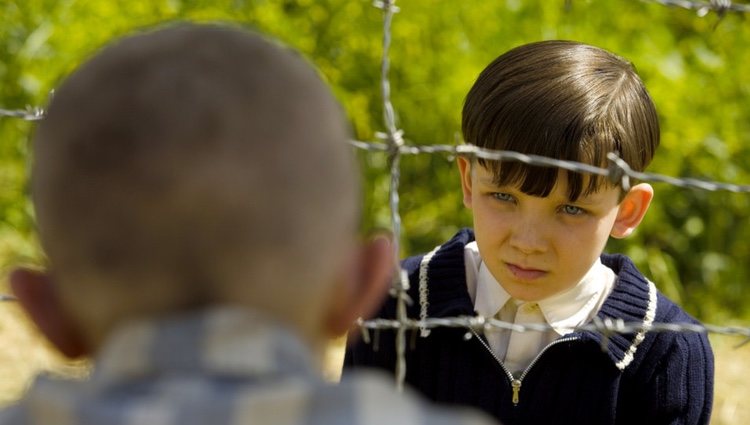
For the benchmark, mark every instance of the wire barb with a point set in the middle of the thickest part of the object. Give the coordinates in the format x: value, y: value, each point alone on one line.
x: 28, y: 114
x: 703, y: 8
x: 386, y: 4
x: 618, y: 171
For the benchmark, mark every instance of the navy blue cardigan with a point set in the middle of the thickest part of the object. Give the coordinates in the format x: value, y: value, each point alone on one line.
x: 647, y: 378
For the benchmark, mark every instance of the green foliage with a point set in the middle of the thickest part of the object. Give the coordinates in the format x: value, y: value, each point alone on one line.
x: 693, y: 244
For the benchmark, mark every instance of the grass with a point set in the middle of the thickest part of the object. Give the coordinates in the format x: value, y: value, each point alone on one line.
x: 25, y: 354
x: 732, y: 389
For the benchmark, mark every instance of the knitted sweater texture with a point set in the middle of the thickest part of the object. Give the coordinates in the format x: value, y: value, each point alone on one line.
x: 643, y: 378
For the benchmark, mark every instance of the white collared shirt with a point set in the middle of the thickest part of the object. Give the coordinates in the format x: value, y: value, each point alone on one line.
x: 562, y: 311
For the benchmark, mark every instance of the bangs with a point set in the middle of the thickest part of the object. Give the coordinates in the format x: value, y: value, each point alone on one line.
x: 540, y: 181
x: 589, y: 147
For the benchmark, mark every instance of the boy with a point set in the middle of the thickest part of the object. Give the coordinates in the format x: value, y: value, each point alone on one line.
x: 535, y: 256
x: 196, y: 197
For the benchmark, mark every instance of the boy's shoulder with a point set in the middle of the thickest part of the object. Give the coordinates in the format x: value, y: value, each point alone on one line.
x: 452, y: 251
x: 636, y: 299
x: 437, y: 280
x: 632, y: 285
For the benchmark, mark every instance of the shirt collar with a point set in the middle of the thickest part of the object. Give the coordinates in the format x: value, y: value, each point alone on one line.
x: 563, y: 311
x: 574, y: 307
x: 221, y: 342
x: 491, y: 296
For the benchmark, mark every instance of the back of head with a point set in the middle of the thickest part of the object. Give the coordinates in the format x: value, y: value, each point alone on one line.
x: 190, y: 166
x: 564, y: 100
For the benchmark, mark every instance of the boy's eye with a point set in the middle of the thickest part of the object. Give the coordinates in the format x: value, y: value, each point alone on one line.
x: 572, y: 210
x: 500, y: 196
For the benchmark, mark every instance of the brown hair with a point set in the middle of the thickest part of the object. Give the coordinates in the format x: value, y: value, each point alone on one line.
x: 564, y: 100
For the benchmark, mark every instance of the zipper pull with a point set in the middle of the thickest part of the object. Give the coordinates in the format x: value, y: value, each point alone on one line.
x: 516, y: 384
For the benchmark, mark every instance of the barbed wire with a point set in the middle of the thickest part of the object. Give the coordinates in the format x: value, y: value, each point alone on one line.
x: 702, y: 8
x: 28, y: 114
x: 393, y: 143
x: 394, y: 139
x: 618, y: 172
x: 606, y: 327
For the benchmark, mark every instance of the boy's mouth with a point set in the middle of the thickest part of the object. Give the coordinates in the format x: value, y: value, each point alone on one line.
x: 523, y: 273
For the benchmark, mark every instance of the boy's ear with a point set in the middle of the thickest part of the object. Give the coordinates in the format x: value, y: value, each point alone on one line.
x: 464, y: 168
x: 363, y: 290
x: 36, y: 292
x: 632, y: 209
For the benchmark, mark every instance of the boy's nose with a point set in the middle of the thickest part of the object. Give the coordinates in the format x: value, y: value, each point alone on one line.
x: 527, y: 238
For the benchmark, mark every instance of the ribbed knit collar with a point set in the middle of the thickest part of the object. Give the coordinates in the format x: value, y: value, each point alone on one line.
x: 633, y: 298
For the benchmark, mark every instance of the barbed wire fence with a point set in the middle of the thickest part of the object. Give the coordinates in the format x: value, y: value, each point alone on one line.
x: 392, y: 142
x: 618, y: 172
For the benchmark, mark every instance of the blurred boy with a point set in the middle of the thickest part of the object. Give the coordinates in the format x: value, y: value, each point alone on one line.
x: 197, y: 200
x: 535, y: 256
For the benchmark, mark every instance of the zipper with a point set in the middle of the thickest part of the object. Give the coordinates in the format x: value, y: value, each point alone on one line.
x: 515, y: 383
x: 516, y: 386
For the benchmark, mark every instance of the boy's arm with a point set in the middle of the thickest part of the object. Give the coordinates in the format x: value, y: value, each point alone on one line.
x: 686, y: 382
x: 676, y: 388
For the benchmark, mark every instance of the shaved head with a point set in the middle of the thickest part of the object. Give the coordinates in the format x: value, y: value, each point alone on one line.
x: 193, y: 165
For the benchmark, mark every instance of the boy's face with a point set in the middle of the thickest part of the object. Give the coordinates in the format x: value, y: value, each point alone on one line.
x: 537, y: 247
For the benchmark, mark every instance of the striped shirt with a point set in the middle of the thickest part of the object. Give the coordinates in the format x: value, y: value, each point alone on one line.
x: 222, y: 366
